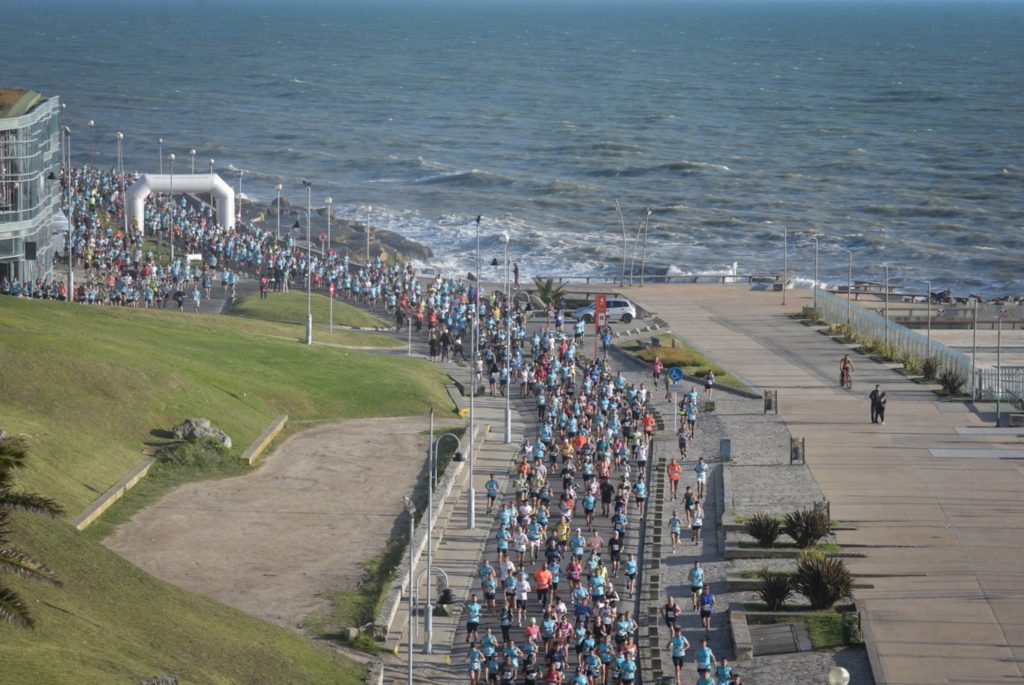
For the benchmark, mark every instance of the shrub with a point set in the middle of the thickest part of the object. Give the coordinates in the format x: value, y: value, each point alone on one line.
x: 763, y: 528
x: 822, y: 580
x: 202, y: 453
x: 910, y: 361
x: 930, y: 368
x: 775, y: 588
x: 952, y: 381
x: 807, y: 527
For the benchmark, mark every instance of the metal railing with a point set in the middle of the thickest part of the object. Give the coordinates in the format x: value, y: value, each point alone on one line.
x: 870, y: 326
x: 987, y: 383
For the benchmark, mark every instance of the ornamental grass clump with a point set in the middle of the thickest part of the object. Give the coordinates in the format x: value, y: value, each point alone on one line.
x: 774, y: 589
x: 822, y: 580
x: 763, y: 528
x: 807, y: 527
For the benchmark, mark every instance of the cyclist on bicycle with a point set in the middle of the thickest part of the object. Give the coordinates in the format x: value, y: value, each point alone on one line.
x: 845, y: 370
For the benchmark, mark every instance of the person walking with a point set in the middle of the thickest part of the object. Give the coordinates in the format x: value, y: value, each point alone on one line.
x: 880, y: 407
x: 873, y: 397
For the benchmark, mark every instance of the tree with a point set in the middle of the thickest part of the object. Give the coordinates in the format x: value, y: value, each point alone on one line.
x: 13, y: 453
x: 548, y: 292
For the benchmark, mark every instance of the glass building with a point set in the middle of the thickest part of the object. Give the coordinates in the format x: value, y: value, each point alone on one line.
x: 30, y: 186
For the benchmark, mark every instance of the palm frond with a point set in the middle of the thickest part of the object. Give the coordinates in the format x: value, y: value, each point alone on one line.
x: 17, y: 562
x: 27, y: 501
x: 13, y: 609
x: 12, y: 453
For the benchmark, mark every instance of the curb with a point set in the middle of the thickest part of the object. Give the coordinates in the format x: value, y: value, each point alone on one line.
x: 255, y: 450
x: 116, y: 492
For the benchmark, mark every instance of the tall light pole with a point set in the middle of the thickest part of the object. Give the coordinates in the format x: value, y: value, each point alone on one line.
x: 160, y: 153
x: 475, y: 338
x: 643, y: 252
x: 278, y: 188
x: 428, y: 648
x: 785, y: 261
x: 212, y: 162
x: 124, y: 186
x: 622, y: 223
x: 309, y: 277
x: 410, y: 509
x: 170, y: 157
x: 369, y: 208
x: 240, y: 175
x: 974, y: 354
x: 849, y: 287
x: 815, y: 239
x: 92, y: 125
x: 999, y: 367
x: 886, y: 304
x: 929, y: 354
x: 330, y: 288
x: 193, y: 153
x: 66, y: 163
x: 508, y: 348
x: 213, y: 198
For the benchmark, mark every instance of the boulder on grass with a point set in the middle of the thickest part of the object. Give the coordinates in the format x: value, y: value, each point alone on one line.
x: 199, y: 428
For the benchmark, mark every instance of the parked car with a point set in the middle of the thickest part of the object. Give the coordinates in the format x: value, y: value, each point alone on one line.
x: 618, y: 309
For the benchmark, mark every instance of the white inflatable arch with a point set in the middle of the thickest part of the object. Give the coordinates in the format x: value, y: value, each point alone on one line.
x: 223, y: 194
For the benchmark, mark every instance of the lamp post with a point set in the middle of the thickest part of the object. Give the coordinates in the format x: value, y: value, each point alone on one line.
x: 785, y: 261
x: 369, y: 208
x: 410, y: 509
x: 999, y: 367
x: 815, y: 239
x: 622, y: 223
x: 886, y: 304
x: 474, y: 337
x: 643, y: 252
x: 66, y: 163
x: 428, y: 647
x: 929, y: 347
x: 170, y: 238
x: 92, y: 125
x: 193, y: 153
x: 120, y: 170
x: 213, y: 198
x: 330, y: 288
x: 838, y: 676
x: 160, y: 153
x: 240, y: 175
x: 974, y: 354
x: 508, y: 348
x: 212, y: 162
x: 309, y: 279
x: 849, y: 287
x: 278, y: 188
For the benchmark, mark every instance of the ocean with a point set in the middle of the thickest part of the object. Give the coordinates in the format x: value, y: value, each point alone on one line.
x: 894, y: 130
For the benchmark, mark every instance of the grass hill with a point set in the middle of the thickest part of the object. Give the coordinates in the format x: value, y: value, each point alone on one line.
x: 91, y: 389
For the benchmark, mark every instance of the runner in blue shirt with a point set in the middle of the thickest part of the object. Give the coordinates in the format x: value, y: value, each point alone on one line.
x: 723, y: 672
x: 678, y: 644
x: 705, y: 658
x: 492, y: 492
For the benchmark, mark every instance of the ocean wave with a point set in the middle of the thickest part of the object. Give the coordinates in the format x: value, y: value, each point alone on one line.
x: 473, y: 178
x: 903, y: 211
x: 685, y: 166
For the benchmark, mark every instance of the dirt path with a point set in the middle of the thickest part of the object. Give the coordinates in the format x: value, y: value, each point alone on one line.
x: 272, y: 542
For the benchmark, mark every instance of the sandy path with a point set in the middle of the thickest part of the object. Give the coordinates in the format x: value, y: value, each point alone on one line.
x: 270, y: 543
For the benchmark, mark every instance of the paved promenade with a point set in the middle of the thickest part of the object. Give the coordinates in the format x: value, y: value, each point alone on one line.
x: 938, y: 512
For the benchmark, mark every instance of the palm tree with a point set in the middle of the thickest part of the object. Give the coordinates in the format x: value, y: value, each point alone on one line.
x: 13, y: 609
x: 548, y: 292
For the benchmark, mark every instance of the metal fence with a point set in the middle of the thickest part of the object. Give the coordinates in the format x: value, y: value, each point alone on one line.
x: 987, y: 383
x: 866, y: 324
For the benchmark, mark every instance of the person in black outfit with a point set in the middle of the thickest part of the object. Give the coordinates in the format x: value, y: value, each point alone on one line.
x: 874, y: 404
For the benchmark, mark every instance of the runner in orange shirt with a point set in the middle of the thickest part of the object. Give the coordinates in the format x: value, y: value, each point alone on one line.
x: 542, y: 578
x: 674, y: 470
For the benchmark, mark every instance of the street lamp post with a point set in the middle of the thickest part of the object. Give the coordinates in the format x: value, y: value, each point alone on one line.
x: 410, y: 509
x: 838, y: 676
x: 193, y: 153
x: 929, y: 347
x: 474, y: 337
x: 849, y: 287
x: 643, y: 252
x: 124, y: 186
x: 369, y: 208
x: 160, y: 153
x: 240, y: 175
x: 508, y: 348
x: 66, y: 163
x: 213, y: 198
x: 170, y: 238
x: 428, y: 648
x: 622, y: 223
x: 330, y: 287
x: 785, y: 261
x: 886, y: 304
x: 999, y: 367
x: 974, y: 354
x: 92, y: 124
x: 278, y: 188
x: 309, y: 274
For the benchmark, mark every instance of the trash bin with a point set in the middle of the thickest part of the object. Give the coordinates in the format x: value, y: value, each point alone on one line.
x: 725, y: 449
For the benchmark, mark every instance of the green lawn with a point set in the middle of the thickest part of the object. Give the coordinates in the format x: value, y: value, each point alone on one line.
x: 291, y: 307
x: 88, y: 386
x: 675, y: 352
x: 114, y: 623
x: 92, y: 389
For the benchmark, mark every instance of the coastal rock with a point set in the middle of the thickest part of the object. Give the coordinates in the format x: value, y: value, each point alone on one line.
x: 160, y: 680
x: 399, y: 243
x: 198, y: 428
